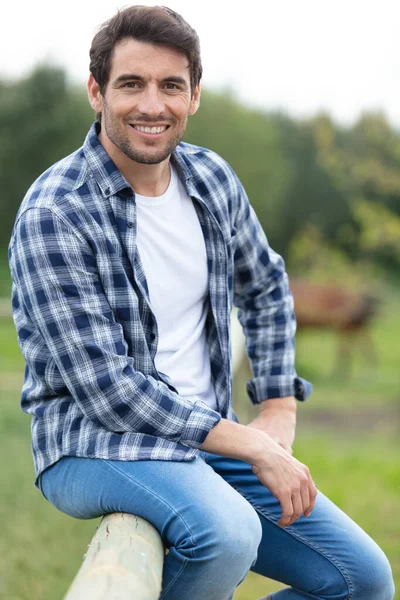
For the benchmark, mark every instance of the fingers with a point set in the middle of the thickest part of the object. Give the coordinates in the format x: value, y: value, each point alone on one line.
x: 287, y: 509
x: 302, y: 499
x: 297, y: 507
x: 288, y: 480
x: 299, y: 501
x: 309, y: 492
x: 305, y: 498
x: 308, y: 503
x: 313, y: 492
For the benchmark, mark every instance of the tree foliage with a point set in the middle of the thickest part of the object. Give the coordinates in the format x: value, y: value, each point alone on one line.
x: 301, y: 176
x: 42, y: 119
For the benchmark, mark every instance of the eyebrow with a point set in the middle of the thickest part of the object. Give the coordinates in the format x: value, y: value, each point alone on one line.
x: 131, y: 76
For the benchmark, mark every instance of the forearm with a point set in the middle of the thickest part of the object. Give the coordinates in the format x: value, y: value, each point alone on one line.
x: 287, y: 479
x: 278, y: 418
x: 242, y: 442
x: 233, y: 440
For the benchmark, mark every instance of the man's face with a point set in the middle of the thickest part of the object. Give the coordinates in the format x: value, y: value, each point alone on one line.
x: 146, y: 102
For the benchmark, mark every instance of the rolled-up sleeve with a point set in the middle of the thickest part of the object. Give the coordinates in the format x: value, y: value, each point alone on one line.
x: 59, y: 282
x: 265, y: 310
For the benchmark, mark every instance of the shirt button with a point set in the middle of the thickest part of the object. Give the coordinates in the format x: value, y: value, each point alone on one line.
x: 107, y: 191
x: 130, y: 224
x: 152, y: 337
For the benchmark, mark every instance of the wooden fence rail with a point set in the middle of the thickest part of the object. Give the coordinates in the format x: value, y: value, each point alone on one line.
x: 124, y: 561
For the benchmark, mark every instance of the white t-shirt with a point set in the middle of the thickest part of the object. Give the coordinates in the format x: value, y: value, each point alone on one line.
x: 172, y: 251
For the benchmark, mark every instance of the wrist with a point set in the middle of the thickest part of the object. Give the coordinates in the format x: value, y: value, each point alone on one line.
x: 287, y: 403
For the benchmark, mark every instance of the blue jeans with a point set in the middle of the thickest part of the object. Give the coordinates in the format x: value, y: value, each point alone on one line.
x: 219, y: 522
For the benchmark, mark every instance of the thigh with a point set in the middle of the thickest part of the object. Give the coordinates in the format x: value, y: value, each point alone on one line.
x: 325, y: 549
x: 181, y: 499
x: 193, y: 508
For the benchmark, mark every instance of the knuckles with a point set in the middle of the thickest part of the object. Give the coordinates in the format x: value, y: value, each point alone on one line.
x: 303, y: 479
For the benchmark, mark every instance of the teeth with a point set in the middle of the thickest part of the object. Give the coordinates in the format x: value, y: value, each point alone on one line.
x: 150, y: 129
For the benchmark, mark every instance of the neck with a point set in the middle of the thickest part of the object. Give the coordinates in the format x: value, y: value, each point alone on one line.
x: 145, y: 180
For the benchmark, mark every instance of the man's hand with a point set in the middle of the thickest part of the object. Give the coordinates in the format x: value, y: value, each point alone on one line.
x: 286, y: 478
x: 277, y: 418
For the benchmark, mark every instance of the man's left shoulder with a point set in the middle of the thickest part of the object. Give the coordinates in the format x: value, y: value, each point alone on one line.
x: 205, y: 164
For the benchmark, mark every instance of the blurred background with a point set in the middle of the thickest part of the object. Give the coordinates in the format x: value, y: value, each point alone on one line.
x: 303, y: 100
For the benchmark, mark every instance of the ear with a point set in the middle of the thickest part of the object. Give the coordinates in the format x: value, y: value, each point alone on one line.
x: 195, y: 101
x: 94, y: 94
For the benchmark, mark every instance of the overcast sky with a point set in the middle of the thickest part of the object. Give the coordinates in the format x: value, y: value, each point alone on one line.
x: 301, y: 56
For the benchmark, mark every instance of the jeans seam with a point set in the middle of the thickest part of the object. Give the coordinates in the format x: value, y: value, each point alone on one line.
x: 342, y: 570
x: 163, y: 592
x: 161, y: 500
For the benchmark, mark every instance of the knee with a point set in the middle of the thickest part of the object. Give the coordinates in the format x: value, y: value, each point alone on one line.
x: 374, y: 580
x: 239, y: 540
x: 228, y: 540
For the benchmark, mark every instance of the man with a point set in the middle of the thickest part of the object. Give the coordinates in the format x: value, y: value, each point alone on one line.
x: 126, y: 257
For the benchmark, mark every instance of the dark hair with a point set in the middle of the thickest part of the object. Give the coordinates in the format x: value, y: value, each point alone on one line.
x: 153, y: 24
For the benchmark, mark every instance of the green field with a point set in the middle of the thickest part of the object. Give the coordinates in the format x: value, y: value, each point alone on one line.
x: 348, y: 434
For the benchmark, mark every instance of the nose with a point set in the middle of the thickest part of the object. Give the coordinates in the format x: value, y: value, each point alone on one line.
x: 151, y: 102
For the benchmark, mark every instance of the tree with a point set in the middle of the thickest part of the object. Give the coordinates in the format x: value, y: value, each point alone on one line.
x: 42, y: 118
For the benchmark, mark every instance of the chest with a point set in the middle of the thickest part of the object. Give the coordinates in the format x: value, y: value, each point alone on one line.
x: 172, y: 251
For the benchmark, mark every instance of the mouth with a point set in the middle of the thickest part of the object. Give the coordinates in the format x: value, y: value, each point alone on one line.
x: 150, y: 132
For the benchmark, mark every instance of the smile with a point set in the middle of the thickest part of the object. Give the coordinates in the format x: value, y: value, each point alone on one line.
x: 150, y: 130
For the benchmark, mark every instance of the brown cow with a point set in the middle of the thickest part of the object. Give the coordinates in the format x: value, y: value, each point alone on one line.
x: 326, y: 307
x: 335, y: 307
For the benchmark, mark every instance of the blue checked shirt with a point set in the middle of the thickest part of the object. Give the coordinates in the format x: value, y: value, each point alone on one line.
x: 83, y: 314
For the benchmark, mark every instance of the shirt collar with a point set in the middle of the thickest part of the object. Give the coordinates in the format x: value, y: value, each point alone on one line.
x: 108, y: 177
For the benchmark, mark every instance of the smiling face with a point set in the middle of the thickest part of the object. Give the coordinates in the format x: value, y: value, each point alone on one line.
x: 146, y: 103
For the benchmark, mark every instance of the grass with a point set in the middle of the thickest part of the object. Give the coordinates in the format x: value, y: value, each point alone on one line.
x: 5, y: 280
x: 353, y: 456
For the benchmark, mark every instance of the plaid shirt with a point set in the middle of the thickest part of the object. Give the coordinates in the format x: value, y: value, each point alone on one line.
x: 83, y: 314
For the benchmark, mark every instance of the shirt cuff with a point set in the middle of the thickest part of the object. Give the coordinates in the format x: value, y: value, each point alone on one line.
x: 263, y: 388
x: 201, y: 420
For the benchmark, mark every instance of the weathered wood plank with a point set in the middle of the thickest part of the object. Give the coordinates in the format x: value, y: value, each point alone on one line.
x: 124, y: 561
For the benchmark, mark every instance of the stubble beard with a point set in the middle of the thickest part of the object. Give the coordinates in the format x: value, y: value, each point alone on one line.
x: 124, y: 144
